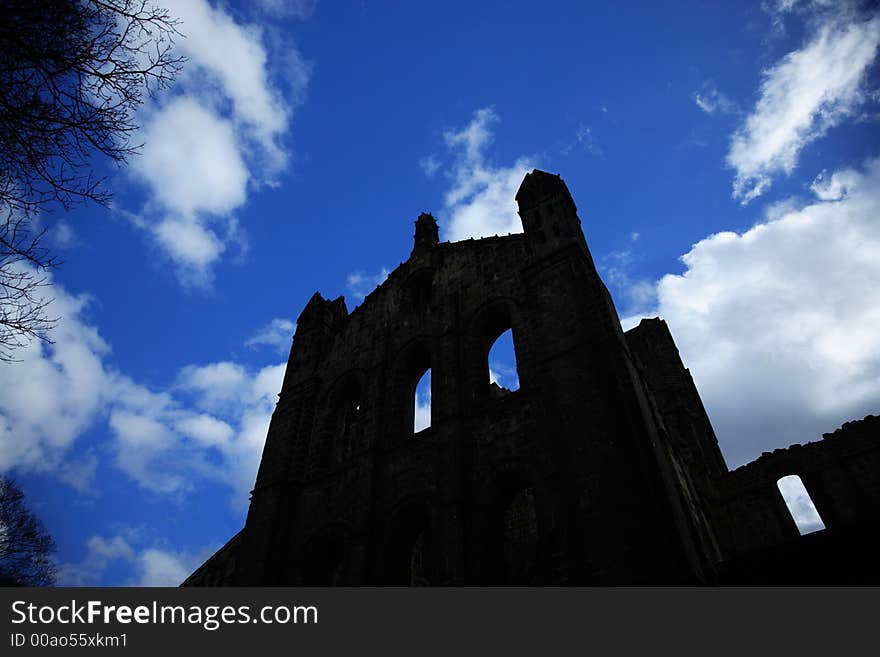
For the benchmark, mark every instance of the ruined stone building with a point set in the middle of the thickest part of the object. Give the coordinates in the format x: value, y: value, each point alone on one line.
x: 602, y: 468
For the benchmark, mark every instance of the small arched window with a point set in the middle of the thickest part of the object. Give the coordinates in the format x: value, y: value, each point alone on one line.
x: 422, y: 412
x: 502, y: 363
x: 799, y: 504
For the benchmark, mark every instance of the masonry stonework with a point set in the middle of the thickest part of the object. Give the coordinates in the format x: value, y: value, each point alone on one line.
x: 602, y: 468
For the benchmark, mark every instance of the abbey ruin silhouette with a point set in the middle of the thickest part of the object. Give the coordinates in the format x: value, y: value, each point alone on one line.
x: 602, y: 468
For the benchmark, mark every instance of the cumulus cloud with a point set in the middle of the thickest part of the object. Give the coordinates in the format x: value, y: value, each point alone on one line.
x: 186, y: 134
x: 151, y: 566
x: 217, y: 137
x: 210, y: 427
x: 778, y: 324
x: 801, y: 97
x: 207, y: 427
x: 480, y: 201
x: 52, y: 394
x: 276, y: 334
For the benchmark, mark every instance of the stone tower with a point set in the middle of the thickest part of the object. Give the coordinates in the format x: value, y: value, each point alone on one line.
x: 570, y: 479
x: 602, y: 468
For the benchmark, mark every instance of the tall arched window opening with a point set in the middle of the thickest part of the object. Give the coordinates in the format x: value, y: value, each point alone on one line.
x: 422, y: 413
x: 800, y: 505
x: 502, y: 363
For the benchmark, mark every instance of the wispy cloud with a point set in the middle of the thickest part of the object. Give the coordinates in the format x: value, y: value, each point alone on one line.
x: 360, y: 284
x: 276, y: 334
x: 712, y: 101
x: 429, y: 165
x: 584, y: 138
x: 618, y: 271
x: 801, y: 97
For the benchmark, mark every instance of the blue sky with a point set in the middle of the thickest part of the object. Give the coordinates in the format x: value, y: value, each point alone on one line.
x: 723, y: 157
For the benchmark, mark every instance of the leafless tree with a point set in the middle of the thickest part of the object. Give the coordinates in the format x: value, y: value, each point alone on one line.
x: 26, y: 548
x: 72, y: 75
x: 24, y: 262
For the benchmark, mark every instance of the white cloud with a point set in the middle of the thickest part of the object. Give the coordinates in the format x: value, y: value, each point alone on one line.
x: 192, y: 246
x: 277, y: 334
x: 480, y: 202
x: 616, y: 268
x: 52, y: 394
x: 164, y: 568
x: 712, y: 101
x: 208, y: 427
x: 360, y: 284
x: 804, y: 95
x: 220, y: 134
x: 150, y: 566
x: 148, y: 452
x: 294, y: 8
x: 585, y: 138
x: 192, y: 161
x: 231, y: 59
x: 778, y: 324
x: 205, y: 430
x: 429, y: 164
x: 212, y: 429
x: 214, y: 385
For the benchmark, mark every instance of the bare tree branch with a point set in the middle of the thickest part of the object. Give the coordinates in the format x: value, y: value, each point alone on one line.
x: 73, y: 74
x: 26, y: 548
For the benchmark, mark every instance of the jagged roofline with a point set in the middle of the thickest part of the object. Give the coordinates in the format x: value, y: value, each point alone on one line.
x: 538, y: 185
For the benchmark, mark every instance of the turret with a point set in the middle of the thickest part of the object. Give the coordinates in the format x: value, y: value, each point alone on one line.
x: 546, y: 208
x: 426, y: 236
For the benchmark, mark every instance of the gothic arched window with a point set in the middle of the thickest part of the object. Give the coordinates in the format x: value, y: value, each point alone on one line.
x: 412, y: 390
x: 495, y: 343
x: 502, y: 362
x: 422, y: 396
